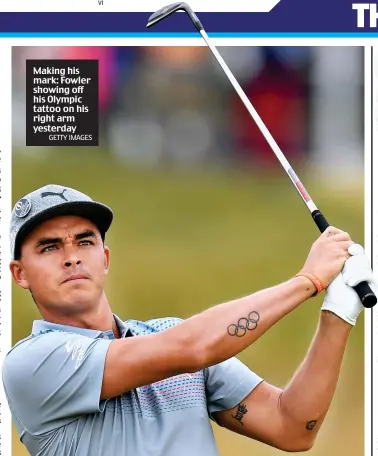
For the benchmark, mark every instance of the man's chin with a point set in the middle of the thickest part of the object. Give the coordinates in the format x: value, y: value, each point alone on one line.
x: 79, y: 300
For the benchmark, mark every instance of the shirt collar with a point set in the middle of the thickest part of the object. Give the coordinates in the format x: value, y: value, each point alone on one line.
x: 44, y: 325
x: 121, y: 325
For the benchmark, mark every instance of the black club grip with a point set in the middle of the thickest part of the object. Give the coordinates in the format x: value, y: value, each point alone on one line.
x: 365, y: 293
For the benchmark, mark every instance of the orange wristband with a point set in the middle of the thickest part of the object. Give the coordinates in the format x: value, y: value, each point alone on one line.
x: 318, y: 284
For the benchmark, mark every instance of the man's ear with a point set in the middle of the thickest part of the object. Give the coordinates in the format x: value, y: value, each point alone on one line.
x: 106, y: 259
x: 18, y: 274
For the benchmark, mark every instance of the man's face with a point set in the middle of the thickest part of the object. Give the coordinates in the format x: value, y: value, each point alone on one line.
x: 64, y: 264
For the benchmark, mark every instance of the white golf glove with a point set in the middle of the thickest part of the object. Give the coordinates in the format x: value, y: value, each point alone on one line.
x: 340, y: 297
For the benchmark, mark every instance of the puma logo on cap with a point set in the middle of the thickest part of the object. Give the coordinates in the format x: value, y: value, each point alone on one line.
x: 61, y: 195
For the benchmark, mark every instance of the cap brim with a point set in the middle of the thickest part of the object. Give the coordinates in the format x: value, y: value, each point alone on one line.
x: 97, y: 213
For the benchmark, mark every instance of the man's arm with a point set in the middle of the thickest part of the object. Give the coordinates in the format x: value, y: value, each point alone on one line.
x: 220, y: 332
x: 290, y: 419
x: 200, y: 341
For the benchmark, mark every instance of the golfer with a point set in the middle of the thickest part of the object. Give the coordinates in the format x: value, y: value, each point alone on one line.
x: 85, y: 383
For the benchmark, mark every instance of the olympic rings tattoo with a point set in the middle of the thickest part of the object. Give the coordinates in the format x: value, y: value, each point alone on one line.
x: 244, y: 325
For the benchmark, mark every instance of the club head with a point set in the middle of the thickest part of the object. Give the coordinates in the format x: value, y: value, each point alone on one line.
x: 166, y: 11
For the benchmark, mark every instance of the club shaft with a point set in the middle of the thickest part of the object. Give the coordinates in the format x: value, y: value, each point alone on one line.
x: 264, y: 130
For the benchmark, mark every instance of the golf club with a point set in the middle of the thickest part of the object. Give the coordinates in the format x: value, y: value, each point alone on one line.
x: 368, y: 298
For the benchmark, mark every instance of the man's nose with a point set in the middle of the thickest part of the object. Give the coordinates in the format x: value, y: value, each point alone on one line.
x: 71, y: 257
x: 71, y: 262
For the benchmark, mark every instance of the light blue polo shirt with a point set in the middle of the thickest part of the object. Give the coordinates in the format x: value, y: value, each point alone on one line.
x: 53, y: 382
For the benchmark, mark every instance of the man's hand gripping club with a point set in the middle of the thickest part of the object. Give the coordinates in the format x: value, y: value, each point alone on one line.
x: 340, y: 298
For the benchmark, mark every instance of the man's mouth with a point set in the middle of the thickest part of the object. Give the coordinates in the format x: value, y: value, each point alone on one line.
x: 75, y: 277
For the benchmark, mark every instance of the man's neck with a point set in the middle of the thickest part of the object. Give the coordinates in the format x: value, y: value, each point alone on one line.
x: 99, y: 318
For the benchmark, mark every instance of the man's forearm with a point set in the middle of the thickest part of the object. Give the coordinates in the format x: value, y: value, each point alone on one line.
x: 306, y: 400
x: 226, y: 329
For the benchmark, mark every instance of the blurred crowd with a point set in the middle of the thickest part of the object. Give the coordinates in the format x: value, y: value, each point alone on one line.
x: 175, y: 105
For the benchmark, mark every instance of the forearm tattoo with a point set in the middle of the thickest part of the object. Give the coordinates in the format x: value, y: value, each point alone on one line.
x: 244, y: 324
x: 240, y: 412
x: 310, y: 425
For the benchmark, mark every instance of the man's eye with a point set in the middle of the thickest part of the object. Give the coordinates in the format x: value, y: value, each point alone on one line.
x: 49, y: 248
x: 86, y: 242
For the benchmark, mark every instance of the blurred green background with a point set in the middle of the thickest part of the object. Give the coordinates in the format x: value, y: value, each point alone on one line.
x: 204, y: 213
x: 182, y: 242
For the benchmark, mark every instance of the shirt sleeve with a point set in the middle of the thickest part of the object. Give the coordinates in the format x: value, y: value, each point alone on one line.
x: 227, y: 384
x: 52, y: 379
